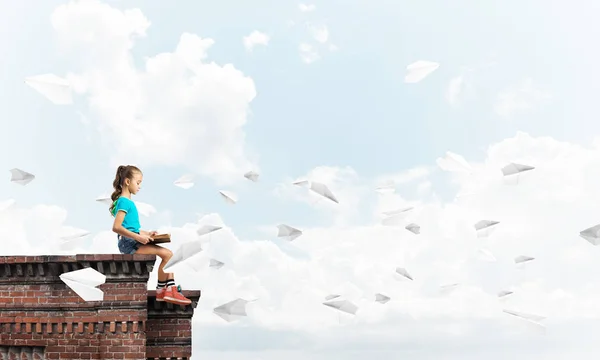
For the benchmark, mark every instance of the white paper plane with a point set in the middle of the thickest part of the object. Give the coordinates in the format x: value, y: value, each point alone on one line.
x: 228, y: 196
x: 523, y: 259
x: 532, y: 321
x: 504, y: 293
x: 454, y: 163
x: 513, y: 169
x: 300, y: 182
x: 389, y: 187
x: 413, y: 228
x: 184, y: 182
x: 398, y: 211
x: 323, y: 190
x: 207, y: 229
x: 418, y: 70
x: 52, y: 87
x: 288, y: 231
x: 252, y: 176
x: 525, y: 315
x: 446, y: 289
x: 84, y: 283
x: 404, y: 273
x: 214, y: 263
x: 232, y: 310
x: 484, y: 228
x: 69, y: 233
x: 592, y: 235
x: 105, y: 199
x: 382, y: 299
x: 21, y: 177
x: 395, y: 217
x: 343, y: 305
x: 486, y: 255
x: 184, y: 252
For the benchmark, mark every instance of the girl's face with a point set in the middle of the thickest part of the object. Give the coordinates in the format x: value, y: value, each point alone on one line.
x: 135, y: 184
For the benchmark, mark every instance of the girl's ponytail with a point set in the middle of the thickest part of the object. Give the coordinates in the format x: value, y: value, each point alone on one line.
x: 118, y: 186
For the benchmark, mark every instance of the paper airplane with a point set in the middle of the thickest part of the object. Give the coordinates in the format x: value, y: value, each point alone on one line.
x: 288, y: 231
x: 52, y: 87
x: 84, y: 283
x: 382, y: 299
x: 21, y: 177
x: 418, y: 70
x: 228, y: 196
x: 184, y: 182
x: 252, y: 176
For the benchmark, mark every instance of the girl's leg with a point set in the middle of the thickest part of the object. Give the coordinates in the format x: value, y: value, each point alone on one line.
x: 170, y: 293
x: 163, y: 253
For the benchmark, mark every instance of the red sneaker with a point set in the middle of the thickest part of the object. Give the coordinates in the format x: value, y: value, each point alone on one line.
x: 160, y: 294
x: 173, y: 296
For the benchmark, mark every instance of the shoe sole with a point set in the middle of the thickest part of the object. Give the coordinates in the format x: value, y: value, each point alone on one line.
x: 178, y: 302
x: 160, y: 300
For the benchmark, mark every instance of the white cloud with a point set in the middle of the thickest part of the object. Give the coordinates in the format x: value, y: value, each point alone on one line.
x: 519, y: 98
x: 308, y: 53
x: 343, y: 183
x: 306, y: 7
x: 540, y: 217
x: 319, y: 33
x: 470, y: 83
x: 407, y: 176
x: 255, y: 38
x: 177, y: 110
x: 358, y: 261
x: 454, y: 89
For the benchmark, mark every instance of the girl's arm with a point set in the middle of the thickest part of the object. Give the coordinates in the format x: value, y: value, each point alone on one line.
x: 149, y: 233
x: 119, y: 229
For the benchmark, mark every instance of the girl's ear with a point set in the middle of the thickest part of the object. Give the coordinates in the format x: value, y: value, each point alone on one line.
x: 127, y: 182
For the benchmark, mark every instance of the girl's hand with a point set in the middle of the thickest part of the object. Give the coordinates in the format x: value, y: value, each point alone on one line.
x: 143, y: 239
x: 152, y: 233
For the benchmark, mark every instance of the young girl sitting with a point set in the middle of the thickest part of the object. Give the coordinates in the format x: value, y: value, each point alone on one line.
x: 133, y: 240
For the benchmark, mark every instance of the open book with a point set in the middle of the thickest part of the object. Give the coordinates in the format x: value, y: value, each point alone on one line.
x: 161, y: 238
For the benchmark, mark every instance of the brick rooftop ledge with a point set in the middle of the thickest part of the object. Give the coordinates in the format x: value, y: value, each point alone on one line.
x: 47, y: 269
x: 13, y: 259
x: 42, y: 318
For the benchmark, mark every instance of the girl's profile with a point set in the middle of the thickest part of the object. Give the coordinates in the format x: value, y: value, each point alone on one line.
x: 132, y: 239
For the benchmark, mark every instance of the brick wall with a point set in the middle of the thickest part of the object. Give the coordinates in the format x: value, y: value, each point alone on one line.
x: 39, y: 314
x: 169, y: 327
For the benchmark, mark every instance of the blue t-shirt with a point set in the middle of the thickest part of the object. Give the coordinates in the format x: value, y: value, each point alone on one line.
x: 131, y: 221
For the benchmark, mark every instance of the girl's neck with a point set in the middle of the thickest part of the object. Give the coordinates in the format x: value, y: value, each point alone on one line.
x: 126, y: 193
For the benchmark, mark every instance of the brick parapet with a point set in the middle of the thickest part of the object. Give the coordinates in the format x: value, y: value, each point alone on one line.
x: 38, y: 311
x: 33, y: 270
x: 169, y: 327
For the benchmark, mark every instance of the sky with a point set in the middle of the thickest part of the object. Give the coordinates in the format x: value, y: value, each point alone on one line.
x: 316, y: 90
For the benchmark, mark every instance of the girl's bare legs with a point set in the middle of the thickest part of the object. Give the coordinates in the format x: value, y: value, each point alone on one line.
x: 171, y: 295
x: 165, y: 255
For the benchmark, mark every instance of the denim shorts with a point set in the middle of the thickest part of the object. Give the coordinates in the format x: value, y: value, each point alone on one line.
x: 128, y: 245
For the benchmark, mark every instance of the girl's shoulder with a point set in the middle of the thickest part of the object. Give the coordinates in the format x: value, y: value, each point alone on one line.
x: 124, y: 200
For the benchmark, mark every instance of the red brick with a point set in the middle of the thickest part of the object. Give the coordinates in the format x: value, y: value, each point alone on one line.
x: 38, y: 310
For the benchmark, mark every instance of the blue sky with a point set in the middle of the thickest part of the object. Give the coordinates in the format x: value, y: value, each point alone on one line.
x: 349, y: 113
x: 350, y: 108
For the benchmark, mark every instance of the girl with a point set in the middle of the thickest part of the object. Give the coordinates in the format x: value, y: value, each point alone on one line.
x: 133, y: 240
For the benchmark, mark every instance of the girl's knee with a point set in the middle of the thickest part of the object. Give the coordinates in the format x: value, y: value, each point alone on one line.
x: 165, y: 254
